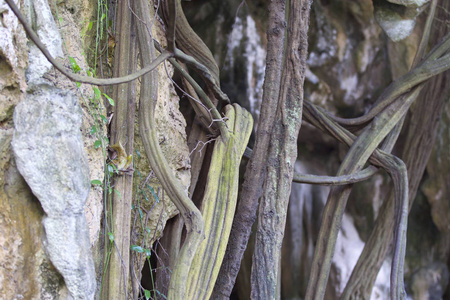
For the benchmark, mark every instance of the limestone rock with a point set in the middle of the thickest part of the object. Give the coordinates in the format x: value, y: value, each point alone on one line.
x: 13, y: 61
x: 49, y: 154
x: 396, y: 20
x: 41, y: 18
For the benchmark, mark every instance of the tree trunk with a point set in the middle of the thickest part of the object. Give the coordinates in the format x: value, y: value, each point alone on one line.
x: 281, y: 158
x: 122, y: 131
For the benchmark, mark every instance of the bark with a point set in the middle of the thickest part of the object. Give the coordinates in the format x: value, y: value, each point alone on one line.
x: 172, y: 186
x: 256, y: 168
x: 122, y: 131
x: 281, y: 159
x: 219, y: 202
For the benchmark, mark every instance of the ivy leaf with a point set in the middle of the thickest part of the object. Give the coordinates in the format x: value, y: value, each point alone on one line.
x: 148, y: 252
x: 153, y: 193
x: 145, y: 196
x: 96, y: 182
x: 111, y: 236
x: 105, y: 120
x: 137, y: 248
x: 111, y: 101
x: 93, y: 129
x: 147, y: 294
x: 97, y: 93
x: 97, y: 144
x: 110, y: 169
x: 75, y: 67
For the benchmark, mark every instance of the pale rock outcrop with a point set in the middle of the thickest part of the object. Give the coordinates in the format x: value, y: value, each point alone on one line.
x: 30, y: 246
x: 49, y: 154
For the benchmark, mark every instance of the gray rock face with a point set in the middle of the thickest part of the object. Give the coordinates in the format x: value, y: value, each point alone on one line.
x: 397, y: 21
x: 49, y: 153
x: 41, y: 17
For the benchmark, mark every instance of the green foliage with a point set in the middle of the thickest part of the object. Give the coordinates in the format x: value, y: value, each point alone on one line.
x: 97, y: 144
x: 97, y: 93
x: 75, y: 67
x: 147, y: 294
x: 111, y: 101
x: 137, y: 249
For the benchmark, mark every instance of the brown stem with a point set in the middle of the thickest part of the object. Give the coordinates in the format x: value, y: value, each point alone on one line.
x: 254, y: 176
x: 173, y: 187
x: 122, y: 131
x: 281, y: 159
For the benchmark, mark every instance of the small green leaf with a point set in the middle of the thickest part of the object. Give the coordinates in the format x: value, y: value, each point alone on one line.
x: 78, y: 84
x: 93, y: 129
x: 138, y: 154
x: 75, y: 67
x: 111, y: 236
x: 103, y: 16
x: 97, y: 92
x: 105, y: 120
x: 109, y: 190
x: 137, y: 248
x: 110, y: 169
x: 97, y: 144
x: 91, y: 72
x: 111, y: 101
x: 147, y: 294
x: 117, y: 192
x: 90, y: 25
x: 141, y: 214
x: 145, y: 196
x: 96, y: 182
x: 148, y: 252
x: 113, y: 166
x: 153, y: 193
x: 147, y: 229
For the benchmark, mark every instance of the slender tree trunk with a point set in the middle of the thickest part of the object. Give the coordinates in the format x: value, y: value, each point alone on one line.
x: 256, y: 168
x: 281, y: 159
x: 122, y: 131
